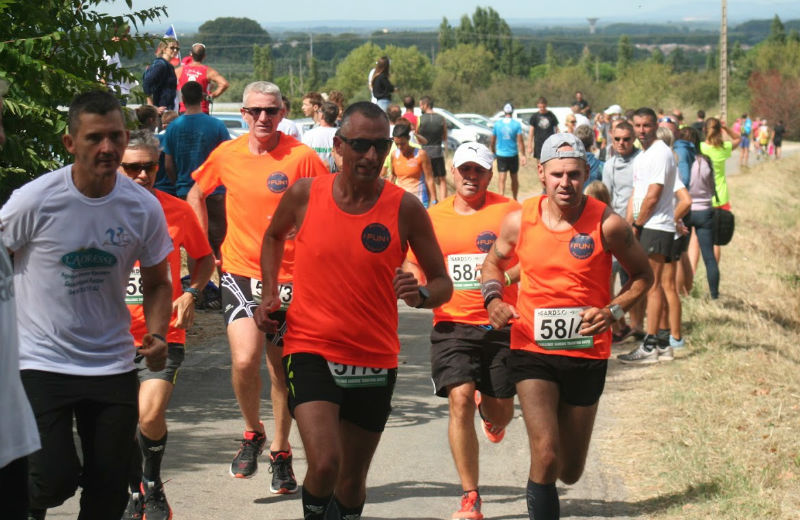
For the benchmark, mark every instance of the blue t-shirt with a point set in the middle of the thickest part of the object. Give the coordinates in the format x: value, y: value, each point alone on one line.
x: 506, y: 130
x: 162, y: 181
x: 189, y: 140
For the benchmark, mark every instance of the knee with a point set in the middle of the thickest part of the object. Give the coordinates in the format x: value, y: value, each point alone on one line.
x: 462, y: 405
x: 571, y: 474
x: 245, y: 364
x: 151, y: 420
x: 324, y: 469
x: 544, y: 455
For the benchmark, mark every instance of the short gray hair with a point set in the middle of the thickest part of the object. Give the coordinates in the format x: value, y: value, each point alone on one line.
x: 261, y: 87
x: 144, y: 139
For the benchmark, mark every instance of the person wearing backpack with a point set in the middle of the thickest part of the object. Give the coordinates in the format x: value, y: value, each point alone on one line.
x: 160, y: 83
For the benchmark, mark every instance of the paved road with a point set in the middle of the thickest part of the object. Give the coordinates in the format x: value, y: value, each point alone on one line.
x: 412, y: 475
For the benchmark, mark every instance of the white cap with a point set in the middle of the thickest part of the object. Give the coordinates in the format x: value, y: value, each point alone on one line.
x: 614, y: 109
x: 507, y: 108
x: 473, y: 152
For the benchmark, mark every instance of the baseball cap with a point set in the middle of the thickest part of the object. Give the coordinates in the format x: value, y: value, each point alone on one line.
x: 473, y: 152
x: 507, y: 108
x: 614, y: 109
x: 550, y: 148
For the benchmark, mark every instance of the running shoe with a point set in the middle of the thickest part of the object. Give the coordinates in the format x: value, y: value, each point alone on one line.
x: 494, y: 433
x: 155, y: 501
x: 622, y: 335
x: 639, y: 335
x: 645, y: 353
x: 245, y: 463
x: 665, y: 353
x: 676, y: 343
x: 135, y: 508
x: 470, y: 506
x: 280, y: 465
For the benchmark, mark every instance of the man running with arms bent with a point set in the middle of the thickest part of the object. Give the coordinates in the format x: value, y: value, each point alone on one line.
x: 561, y: 339
x: 341, y: 347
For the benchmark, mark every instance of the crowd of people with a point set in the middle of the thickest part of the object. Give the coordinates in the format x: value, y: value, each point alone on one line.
x: 523, y: 294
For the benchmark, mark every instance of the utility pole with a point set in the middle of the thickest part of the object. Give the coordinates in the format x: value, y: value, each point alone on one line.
x: 723, y: 64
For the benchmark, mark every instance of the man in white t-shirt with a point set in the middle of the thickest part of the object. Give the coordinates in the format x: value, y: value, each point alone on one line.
x: 76, y: 234
x: 19, y: 436
x: 320, y: 138
x: 651, y: 212
x: 287, y: 126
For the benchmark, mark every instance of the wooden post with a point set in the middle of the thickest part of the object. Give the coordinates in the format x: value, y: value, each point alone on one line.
x: 723, y: 64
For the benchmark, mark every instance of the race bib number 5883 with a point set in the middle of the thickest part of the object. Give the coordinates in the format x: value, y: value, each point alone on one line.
x: 284, y: 293
x: 557, y: 329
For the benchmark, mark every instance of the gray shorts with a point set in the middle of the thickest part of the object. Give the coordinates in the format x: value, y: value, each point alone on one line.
x: 175, y: 355
x: 657, y: 242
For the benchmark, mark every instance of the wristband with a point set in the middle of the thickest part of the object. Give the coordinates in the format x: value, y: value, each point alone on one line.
x: 489, y: 299
x: 638, y: 226
x: 490, y: 290
x: 194, y: 292
x: 159, y: 336
x: 508, y: 279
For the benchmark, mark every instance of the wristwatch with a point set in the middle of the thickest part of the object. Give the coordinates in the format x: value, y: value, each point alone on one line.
x: 424, y: 294
x: 616, y: 311
x: 194, y: 292
x: 638, y: 227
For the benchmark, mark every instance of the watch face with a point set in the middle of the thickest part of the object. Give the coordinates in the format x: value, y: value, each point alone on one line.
x: 424, y: 292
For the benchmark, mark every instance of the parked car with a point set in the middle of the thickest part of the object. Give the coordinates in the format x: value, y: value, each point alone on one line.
x: 234, y: 122
x: 476, y: 119
x: 461, y: 131
x: 524, y: 116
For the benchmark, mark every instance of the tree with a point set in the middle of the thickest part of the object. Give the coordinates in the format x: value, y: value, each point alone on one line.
x: 459, y: 72
x: 550, y: 59
x: 447, y: 37
x: 465, y: 33
x: 657, y: 56
x: 351, y: 73
x: 777, y: 32
x: 677, y: 60
x: 50, y: 51
x: 624, y: 53
x: 262, y: 62
x: 412, y: 71
x: 231, y: 39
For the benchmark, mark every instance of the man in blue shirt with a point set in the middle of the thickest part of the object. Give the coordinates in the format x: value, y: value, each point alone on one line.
x: 506, y: 144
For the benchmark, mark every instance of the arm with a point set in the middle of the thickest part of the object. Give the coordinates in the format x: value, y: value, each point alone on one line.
x: 494, y: 268
x: 648, y: 204
x: 286, y: 220
x: 444, y: 132
x: 183, y: 305
x: 529, y: 150
x: 684, y: 203
x: 523, y: 159
x: 157, y: 305
x: 427, y: 169
x: 619, y: 240
x: 493, y: 143
x: 736, y: 137
x: 169, y: 166
x: 420, y: 139
x: 219, y: 80
x: 416, y: 230
x: 197, y: 200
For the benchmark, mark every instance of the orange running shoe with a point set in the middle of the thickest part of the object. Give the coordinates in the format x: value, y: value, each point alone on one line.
x: 470, y: 506
x: 494, y: 433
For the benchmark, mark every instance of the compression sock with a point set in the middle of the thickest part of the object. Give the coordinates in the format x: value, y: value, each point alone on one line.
x: 542, y: 501
x: 153, y: 453
x: 341, y: 512
x: 135, y: 469
x: 314, y: 507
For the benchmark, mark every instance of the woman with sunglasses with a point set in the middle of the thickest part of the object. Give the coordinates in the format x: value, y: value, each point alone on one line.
x: 160, y: 82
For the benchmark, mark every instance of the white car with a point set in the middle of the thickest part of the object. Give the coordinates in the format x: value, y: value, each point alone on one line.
x: 461, y: 131
x: 524, y: 116
x: 476, y: 119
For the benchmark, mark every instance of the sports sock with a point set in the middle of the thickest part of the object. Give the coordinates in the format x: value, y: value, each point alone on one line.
x: 314, y: 507
x: 340, y: 512
x: 542, y: 501
x: 152, y: 453
x: 135, y: 469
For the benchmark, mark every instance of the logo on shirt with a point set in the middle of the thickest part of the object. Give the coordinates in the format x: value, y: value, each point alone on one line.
x: 117, y: 237
x: 88, y: 258
x: 376, y: 237
x: 581, y: 246
x: 485, y: 240
x: 278, y: 182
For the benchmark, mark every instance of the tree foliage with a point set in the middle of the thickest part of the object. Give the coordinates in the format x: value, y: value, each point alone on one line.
x: 624, y: 53
x: 263, y: 67
x: 50, y: 51
x: 460, y: 71
x: 447, y: 36
x: 232, y: 39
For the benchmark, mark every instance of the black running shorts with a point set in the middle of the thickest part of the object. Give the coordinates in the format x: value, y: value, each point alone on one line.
x: 437, y: 163
x: 657, y: 242
x: 238, y: 301
x: 580, y: 381
x: 508, y: 164
x: 175, y: 354
x: 461, y: 353
x: 364, y: 397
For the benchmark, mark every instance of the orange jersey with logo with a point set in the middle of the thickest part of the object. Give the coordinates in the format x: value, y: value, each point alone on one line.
x: 255, y: 185
x: 465, y: 240
x: 184, y: 230
x: 344, y: 307
x: 561, y: 273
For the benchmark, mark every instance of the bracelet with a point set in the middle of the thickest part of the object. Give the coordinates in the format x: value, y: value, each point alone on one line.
x: 490, y: 290
x: 159, y: 336
x: 489, y: 299
x: 508, y: 279
x: 194, y: 292
x: 638, y: 226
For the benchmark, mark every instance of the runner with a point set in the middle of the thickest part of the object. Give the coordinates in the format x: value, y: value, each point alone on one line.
x: 561, y: 339
x: 140, y: 163
x: 76, y: 234
x: 257, y: 169
x: 341, y: 347
x: 411, y: 168
x: 468, y: 356
x: 507, y: 144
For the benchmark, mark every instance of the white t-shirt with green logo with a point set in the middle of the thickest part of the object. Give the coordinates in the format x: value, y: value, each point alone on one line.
x: 72, y: 258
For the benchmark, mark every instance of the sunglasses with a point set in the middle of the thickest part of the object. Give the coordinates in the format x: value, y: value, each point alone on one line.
x: 623, y: 139
x: 175, y: 48
x: 667, y: 120
x: 136, y: 167
x: 255, y: 112
x: 363, y: 145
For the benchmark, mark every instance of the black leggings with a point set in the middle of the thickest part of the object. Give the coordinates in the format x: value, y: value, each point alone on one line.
x: 106, y: 413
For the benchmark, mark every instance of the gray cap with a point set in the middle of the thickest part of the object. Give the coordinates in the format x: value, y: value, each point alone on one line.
x: 550, y: 148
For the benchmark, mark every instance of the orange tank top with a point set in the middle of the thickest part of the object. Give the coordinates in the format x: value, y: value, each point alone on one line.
x: 562, y: 272
x: 465, y: 240
x: 344, y: 307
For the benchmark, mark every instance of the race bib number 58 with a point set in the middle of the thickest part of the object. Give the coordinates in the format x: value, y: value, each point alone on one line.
x: 133, y: 292
x: 465, y: 270
x: 284, y: 293
x: 557, y: 329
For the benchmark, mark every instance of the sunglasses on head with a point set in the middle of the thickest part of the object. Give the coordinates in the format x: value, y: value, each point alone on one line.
x: 137, y: 167
x: 363, y: 145
x: 255, y: 112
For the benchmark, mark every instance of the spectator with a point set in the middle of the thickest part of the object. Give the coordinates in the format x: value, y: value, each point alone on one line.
x: 160, y: 83
x: 586, y: 135
x: 195, y: 70
x: 382, y: 87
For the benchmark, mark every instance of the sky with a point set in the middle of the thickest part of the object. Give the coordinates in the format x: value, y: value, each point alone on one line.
x: 275, y: 13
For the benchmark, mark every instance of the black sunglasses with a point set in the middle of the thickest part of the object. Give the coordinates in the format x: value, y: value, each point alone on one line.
x: 626, y: 139
x: 255, y: 112
x: 136, y: 167
x: 363, y: 145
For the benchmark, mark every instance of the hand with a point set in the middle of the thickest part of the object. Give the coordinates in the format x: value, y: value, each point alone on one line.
x: 261, y: 315
x: 406, y: 287
x: 523, y: 160
x: 183, y: 308
x: 595, y: 321
x: 500, y: 313
x: 681, y: 228
x: 155, y: 352
x: 161, y: 110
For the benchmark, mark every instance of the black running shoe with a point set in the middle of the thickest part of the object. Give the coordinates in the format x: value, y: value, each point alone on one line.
x: 283, y: 481
x: 245, y: 463
x: 135, y: 508
x: 155, y: 501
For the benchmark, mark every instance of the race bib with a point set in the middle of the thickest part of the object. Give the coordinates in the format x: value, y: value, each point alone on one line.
x: 465, y: 270
x: 351, y: 376
x: 284, y: 292
x: 557, y: 329
x: 133, y: 292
